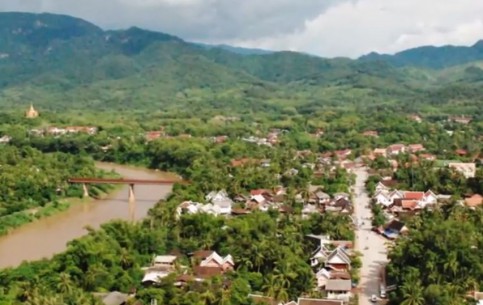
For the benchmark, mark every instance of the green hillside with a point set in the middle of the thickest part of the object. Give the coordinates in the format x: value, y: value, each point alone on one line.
x: 59, y: 62
x: 432, y: 57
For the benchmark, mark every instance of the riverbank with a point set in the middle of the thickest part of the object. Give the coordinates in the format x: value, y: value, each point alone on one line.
x: 49, y: 235
x: 11, y: 222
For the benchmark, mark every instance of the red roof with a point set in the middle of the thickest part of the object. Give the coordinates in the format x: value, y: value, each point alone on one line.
x: 416, y: 147
x: 474, y: 200
x: 259, y: 192
x: 396, y: 147
x: 413, y: 195
x: 461, y: 152
x: 240, y: 162
x: 409, y: 204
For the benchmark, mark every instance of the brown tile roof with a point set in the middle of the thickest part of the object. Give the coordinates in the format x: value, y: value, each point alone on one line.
x: 185, y: 278
x: 259, y: 192
x: 207, y: 272
x: 461, y: 152
x: 304, y: 301
x: 409, y: 204
x: 239, y: 211
x: 340, y: 275
x: 241, y: 162
x: 414, y: 195
x: 474, y: 201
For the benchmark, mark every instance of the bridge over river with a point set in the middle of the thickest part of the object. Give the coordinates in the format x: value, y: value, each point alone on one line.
x: 49, y: 236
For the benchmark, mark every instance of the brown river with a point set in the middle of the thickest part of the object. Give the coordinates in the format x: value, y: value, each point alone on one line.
x: 48, y: 236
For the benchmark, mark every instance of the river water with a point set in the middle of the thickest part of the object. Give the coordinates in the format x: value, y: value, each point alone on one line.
x: 48, y: 236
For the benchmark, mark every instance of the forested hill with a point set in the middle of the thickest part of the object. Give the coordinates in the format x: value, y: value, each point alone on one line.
x: 432, y: 57
x: 59, y: 61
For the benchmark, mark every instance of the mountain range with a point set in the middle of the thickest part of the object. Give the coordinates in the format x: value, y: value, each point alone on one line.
x: 51, y: 57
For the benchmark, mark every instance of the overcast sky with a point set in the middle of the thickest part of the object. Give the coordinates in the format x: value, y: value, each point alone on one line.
x: 327, y: 28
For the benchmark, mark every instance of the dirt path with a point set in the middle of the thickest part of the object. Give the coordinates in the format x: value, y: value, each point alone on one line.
x: 371, y: 245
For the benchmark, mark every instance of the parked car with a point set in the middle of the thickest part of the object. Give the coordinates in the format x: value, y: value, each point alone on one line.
x: 374, y: 298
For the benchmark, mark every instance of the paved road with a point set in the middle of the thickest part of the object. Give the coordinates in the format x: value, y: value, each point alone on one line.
x: 370, y: 244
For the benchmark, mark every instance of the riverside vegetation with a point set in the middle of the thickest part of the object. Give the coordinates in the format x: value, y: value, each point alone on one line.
x: 129, y: 82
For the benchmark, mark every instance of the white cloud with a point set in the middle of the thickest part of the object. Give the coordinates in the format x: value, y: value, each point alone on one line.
x: 323, y: 27
x: 353, y: 29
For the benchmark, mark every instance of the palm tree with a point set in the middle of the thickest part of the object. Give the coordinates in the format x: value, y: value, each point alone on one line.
x: 412, y: 293
x: 65, y: 283
x: 452, y: 264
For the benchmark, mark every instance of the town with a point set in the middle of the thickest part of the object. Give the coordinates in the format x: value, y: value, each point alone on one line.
x: 340, y: 164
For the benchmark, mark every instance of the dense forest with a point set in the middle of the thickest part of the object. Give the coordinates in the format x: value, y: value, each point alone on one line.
x: 440, y: 261
x: 34, y: 184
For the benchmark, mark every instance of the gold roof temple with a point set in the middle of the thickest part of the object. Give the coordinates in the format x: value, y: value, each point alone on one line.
x: 31, y: 113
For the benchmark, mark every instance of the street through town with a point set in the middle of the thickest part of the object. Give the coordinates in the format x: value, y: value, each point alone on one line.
x: 371, y: 245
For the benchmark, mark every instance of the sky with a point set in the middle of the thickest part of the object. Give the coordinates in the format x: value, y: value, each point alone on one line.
x: 327, y: 28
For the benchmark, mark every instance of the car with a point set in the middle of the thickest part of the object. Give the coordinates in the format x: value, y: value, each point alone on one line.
x: 373, y: 298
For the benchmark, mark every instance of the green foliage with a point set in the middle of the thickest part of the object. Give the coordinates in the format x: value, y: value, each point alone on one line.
x: 440, y: 260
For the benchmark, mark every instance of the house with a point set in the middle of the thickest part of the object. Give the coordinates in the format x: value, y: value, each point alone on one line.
x: 414, y: 148
x: 461, y: 119
x: 310, y: 209
x: 413, y: 195
x: 55, y: 131
x: 404, y: 205
x: 5, y: 139
x: 467, y: 169
x: 339, y: 289
x: 164, y: 261
x: 205, y: 272
x: 427, y: 157
x: 381, y: 187
x: 394, y: 228
x: 340, y: 195
x: 308, y: 301
x: 386, y: 199
x: 154, y: 275
x: 338, y: 259
x: 161, y: 267
x: 219, y: 139
x: 90, y: 130
x: 326, y: 274
x: 191, y: 207
x: 429, y: 198
x: 415, y: 117
x: 113, y: 298
x: 241, y: 162
x: 396, y: 149
x: 342, y: 154
x: 474, y: 201
x: 341, y: 205
x: 212, y: 259
x: 221, y: 201
x: 382, y: 152
x: 153, y: 135
x: 322, y: 276
x: 370, y: 133
x: 461, y: 152
x: 382, y: 198
x: 320, y: 197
